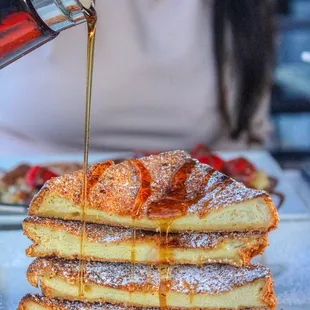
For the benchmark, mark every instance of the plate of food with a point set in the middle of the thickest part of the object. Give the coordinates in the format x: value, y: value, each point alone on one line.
x: 162, y: 231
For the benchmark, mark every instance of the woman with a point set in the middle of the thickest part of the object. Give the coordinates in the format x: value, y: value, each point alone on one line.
x: 168, y: 74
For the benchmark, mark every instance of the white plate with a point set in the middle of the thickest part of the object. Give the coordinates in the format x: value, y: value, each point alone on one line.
x: 288, y: 256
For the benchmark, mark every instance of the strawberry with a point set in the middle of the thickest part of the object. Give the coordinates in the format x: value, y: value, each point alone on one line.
x: 212, y: 160
x: 37, y: 176
x: 205, y: 156
x: 240, y: 169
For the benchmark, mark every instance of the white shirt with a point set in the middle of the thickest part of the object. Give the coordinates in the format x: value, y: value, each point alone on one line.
x: 154, y: 83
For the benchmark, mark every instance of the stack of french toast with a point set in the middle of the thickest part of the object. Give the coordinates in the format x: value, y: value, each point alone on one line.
x: 161, y: 232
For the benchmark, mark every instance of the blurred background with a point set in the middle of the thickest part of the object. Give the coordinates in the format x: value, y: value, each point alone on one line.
x: 203, y: 76
x: 290, y: 104
x: 148, y: 87
x: 153, y: 89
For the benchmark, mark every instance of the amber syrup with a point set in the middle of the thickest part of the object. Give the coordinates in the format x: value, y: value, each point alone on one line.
x: 142, y: 196
x: 165, y: 211
x: 165, y: 257
x: 91, y: 19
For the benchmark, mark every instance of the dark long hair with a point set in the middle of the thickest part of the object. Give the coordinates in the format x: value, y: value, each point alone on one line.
x: 251, y: 24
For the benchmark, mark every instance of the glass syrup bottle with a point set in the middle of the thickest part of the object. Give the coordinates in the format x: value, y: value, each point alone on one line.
x: 28, y: 24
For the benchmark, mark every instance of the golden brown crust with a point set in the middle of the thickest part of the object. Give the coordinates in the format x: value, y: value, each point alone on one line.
x: 248, y: 253
x: 254, y: 243
x: 183, y: 279
x: 273, y: 212
x: 269, y: 297
x: 166, y: 185
x: 57, y: 304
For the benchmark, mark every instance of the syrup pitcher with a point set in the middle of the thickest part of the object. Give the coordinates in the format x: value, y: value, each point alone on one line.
x: 28, y: 24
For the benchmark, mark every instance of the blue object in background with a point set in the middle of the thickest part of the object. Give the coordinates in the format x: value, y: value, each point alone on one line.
x: 291, y: 95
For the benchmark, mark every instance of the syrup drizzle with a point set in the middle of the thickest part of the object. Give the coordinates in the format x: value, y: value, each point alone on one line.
x: 91, y: 19
x: 165, y: 211
x: 178, y: 188
x: 95, y: 172
x: 143, y: 194
x: 192, y: 291
x: 175, y: 202
x: 208, y: 176
x: 145, y: 186
x: 165, y: 258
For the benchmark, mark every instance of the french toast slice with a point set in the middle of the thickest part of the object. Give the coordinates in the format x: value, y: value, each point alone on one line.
x: 206, y: 287
x: 170, y: 187
x: 37, y: 302
x: 54, y: 237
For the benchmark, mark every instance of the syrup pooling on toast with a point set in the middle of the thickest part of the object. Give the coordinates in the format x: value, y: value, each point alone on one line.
x: 178, y: 188
x: 91, y: 19
x: 95, y: 172
x: 175, y: 202
x: 145, y: 186
x: 165, y: 256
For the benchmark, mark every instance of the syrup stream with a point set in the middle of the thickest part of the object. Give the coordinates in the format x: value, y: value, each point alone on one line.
x: 91, y: 19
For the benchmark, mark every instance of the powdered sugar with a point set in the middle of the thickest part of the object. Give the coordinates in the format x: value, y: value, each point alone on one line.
x: 200, y: 240
x: 211, y: 279
x: 223, y: 195
x: 184, y: 279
